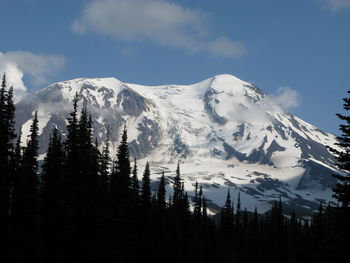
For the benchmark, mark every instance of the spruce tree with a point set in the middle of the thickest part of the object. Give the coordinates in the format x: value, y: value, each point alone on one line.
x: 178, y: 190
x: 121, y: 199
x: 226, y: 230
x: 135, y: 184
x: 89, y: 188
x: 227, y: 216
x: 161, y: 202
x: 104, y: 168
x: 238, y: 211
x: 198, y: 204
x: 342, y: 188
x: 52, y: 199
x: 25, y: 207
x: 146, y: 190
x: 81, y: 187
x: 205, y: 209
x: 52, y: 174
x: 160, y: 222
x: 7, y: 135
x: 71, y: 168
x: 120, y: 181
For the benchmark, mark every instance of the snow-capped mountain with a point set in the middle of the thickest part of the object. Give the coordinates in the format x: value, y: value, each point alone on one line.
x: 224, y: 131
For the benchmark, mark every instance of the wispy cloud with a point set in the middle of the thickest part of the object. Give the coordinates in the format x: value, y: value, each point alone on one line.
x: 336, y: 5
x: 286, y: 98
x: 38, y: 67
x: 158, y: 21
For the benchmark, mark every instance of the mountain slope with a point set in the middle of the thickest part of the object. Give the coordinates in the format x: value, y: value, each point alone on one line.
x: 225, y: 132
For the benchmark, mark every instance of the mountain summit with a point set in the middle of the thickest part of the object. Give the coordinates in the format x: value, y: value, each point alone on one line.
x: 226, y: 133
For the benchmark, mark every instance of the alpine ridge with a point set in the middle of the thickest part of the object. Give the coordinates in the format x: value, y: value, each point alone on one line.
x: 224, y: 131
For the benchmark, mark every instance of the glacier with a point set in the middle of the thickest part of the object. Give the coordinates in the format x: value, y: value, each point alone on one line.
x: 225, y: 132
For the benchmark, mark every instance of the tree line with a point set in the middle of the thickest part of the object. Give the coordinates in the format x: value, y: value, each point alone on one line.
x: 84, y: 207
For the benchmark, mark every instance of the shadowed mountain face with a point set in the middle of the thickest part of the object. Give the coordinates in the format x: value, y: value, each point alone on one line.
x: 225, y: 132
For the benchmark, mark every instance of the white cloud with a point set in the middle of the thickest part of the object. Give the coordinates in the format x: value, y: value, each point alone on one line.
x: 39, y: 67
x: 286, y: 98
x: 14, y: 77
x: 158, y: 21
x: 225, y: 47
x: 337, y: 5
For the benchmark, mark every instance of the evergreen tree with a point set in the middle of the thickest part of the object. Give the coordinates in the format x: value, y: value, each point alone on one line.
x: 135, y: 183
x: 71, y: 167
x: 104, y: 167
x: 245, y: 219
x: 205, y: 209
x: 104, y: 216
x: 238, y: 211
x: 160, y: 223
x: 7, y: 135
x: 161, y: 203
x: 25, y: 207
x: 52, y: 174
x: 121, y: 200
x: 88, y: 190
x: 10, y: 118
x: 342, y: 188
x: 186, y: 212
x: 16, y: 161
x: 146, y: 190
x: 120, y: 182
x: 198, y: 204
x: 226, y: 230
x: 52, y: 199
x: 178, y: 190
x: 227, y: 215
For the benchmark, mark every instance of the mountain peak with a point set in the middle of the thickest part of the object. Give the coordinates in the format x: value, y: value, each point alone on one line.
x: 222, y: 129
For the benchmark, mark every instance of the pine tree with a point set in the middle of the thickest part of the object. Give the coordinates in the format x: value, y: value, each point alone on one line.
x: 90, y: 189
x: 71, y: 168
x: 52, y: 199
x: 16, y: 160
x: 198, y: 204
x: 342, y: 188
x: 25, y: 208
x: 104, y: 168
x: 7, y: 134
x: 10, y: 118
x: 226, y: 230
x: 227, y: 214
x: 186, y: 212
x: 146, y: 190
x: 161, y: 203
x: 135, y: 183
x: 81, y: 187
x: 178, y: 191
x: 120, y: 181
x: 238, y: 211
x: 121, y: 199
x: 52, y: 174
x: 160, y: 222
x: 205, y: 209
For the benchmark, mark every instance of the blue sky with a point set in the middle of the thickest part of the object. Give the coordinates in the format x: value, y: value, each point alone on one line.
x: 300, y: 44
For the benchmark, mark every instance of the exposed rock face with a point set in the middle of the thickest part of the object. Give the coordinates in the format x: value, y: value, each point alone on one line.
x: 225, y: 132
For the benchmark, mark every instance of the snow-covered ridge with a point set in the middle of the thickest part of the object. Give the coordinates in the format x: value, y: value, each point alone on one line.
x: 225, y: 131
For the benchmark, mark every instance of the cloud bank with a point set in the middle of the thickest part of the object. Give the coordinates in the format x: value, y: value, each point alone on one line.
x: 38, y: 67
x: 157, y: 21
